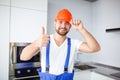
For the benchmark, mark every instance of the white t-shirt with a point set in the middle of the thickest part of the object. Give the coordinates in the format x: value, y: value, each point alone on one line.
x: 57, y: 56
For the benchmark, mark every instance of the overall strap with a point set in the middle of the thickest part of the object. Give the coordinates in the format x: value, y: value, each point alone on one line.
x: 68, y: 55
x: 67, y: 58
x: 47, y: 56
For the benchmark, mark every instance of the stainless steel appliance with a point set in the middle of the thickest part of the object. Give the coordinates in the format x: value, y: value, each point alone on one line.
x: 22, y: 70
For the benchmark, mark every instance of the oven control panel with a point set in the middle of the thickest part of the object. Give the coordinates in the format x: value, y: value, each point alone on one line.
x: 26, y: 72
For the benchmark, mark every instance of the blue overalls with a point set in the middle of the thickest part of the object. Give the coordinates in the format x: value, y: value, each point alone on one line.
x: 64, y: 76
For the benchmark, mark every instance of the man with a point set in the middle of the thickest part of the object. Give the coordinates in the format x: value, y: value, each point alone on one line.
x: 58, y: 50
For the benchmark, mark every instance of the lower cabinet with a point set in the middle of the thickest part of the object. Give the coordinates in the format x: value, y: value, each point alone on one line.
x: 89, y: 75
x: 82, y: 75
x: 97, y: 76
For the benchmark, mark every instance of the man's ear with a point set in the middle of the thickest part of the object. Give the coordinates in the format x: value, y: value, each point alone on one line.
x: 70, y: 25
x: 54, y: 22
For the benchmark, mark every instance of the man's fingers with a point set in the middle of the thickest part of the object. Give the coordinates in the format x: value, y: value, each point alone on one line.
x: 71, y: 21
x: 75, y: 22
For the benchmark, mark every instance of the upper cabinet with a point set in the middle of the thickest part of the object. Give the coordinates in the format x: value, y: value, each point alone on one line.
x: 111, y: 15
x: 26, y: 24
x: 30, y: 4
x: 5, y: 2
x: 27, y: 18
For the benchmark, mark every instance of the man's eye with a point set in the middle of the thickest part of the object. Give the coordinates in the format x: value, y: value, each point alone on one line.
x: 67, y: 23
x: 60, y: 22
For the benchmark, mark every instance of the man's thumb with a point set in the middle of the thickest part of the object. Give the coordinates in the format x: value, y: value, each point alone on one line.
x: 42, y: 30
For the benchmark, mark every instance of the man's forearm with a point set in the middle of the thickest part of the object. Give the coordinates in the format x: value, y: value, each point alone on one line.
x: 90, y: 40
x: 29, y: 51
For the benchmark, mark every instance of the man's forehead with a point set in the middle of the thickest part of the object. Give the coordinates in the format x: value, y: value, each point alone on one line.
x: 62, y: 21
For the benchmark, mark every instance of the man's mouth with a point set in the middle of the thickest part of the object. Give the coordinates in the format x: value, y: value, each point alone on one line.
x: 63, y: 29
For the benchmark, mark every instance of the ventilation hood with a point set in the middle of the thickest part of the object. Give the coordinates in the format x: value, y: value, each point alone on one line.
x: 91, y: 0
x: 113, y: 30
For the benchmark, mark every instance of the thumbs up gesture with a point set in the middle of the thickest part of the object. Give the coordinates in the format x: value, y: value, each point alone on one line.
x: 43, y: 39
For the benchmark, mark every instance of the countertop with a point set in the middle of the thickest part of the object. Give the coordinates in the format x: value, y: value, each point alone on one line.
x: 102, y: 69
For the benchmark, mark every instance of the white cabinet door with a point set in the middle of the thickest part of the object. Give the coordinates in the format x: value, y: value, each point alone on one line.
x: 82, y: 75
x: 30, y: 4
x: 4, y: 42
x: 5, y: 2
x: 26, y: 24
x: 96, y: 76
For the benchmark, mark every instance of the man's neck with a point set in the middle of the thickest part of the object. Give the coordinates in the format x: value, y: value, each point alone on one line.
x: 59, y: 39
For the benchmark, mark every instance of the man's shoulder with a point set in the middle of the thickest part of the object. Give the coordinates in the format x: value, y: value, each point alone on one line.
x: 75, y: 41
x: 72, y: 39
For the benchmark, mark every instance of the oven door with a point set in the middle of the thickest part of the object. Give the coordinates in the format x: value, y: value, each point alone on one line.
x: 16, y: 49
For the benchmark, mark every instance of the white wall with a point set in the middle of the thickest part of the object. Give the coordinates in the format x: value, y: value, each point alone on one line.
x: 80, y: 9
x: 106, y: 14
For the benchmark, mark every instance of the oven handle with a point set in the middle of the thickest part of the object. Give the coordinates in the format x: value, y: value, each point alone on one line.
x: 11, y: 60
x: 12, y: 53
x: 11, y: 65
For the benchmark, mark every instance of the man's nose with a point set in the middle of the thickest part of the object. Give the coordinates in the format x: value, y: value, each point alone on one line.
x: 63, y: 24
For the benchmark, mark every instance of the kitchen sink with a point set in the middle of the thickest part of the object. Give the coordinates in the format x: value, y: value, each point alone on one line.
x: 83, y: 67
x: 116, y: 74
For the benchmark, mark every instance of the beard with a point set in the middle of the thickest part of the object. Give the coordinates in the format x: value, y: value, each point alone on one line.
x: 62, y: 31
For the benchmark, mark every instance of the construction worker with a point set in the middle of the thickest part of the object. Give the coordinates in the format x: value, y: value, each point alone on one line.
x: 58, y: 50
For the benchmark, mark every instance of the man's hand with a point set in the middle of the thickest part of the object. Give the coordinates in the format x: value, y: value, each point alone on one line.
x: 77, y: 24
x: 43, y: 40
x: 32, y: 49
x: 90, y: 44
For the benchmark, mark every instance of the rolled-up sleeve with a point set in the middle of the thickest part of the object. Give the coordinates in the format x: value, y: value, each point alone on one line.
x: 78, y: 43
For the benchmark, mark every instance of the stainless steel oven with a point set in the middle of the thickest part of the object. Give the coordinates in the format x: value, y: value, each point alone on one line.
x: 22, y: 70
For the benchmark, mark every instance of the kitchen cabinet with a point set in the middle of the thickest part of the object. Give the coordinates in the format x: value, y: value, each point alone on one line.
x: 82, y: 75
x: 4, y: 41
x: 27, y: 19
x: 26, y: 24
x: 5, y: 2
x: 30, y: 4
x: 90, y: 75
x: 20, y: 21
x: 97, y: 76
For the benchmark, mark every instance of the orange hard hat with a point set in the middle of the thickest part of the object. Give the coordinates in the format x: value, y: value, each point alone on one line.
x: 64, y: 14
